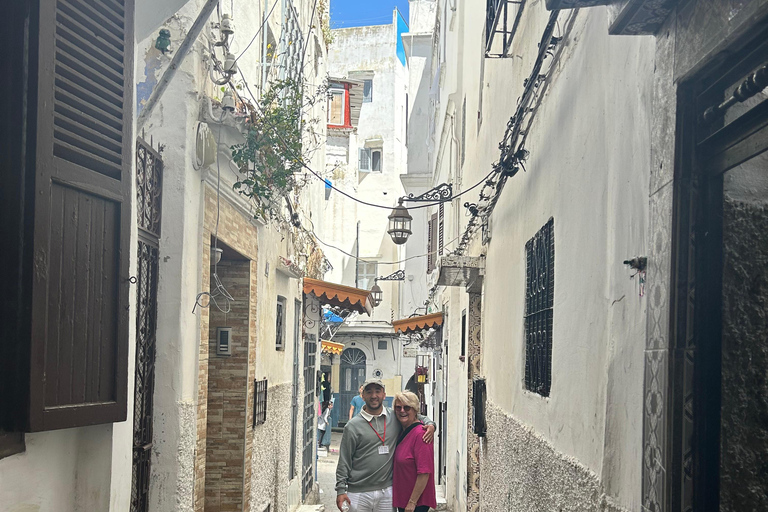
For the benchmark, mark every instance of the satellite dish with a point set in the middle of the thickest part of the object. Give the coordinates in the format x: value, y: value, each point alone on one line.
x: 205, y: 147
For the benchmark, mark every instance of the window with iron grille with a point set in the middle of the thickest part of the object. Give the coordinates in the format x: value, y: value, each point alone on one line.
x: 280, y: 324
x: 539, y: 299
x: 259, y: 402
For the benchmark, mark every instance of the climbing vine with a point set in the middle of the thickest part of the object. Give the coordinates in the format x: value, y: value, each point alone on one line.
x: 276, y: 147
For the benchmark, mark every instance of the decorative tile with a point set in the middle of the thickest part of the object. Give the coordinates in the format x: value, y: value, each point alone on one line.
x: 473, y: 442
x: 659, y: 269
x: 664, y: 109
x: 655, y: 439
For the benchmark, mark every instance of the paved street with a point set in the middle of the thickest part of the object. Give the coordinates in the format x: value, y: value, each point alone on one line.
x: 326, y: 473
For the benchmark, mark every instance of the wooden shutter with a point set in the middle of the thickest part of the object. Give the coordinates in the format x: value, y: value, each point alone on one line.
x: 441, y: 229
x: 432, y: 243
x: 82, y: 205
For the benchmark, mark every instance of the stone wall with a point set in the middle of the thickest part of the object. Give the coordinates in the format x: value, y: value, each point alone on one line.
x: 520, y: 470
x: 270, y: 453
x: 744, y: 407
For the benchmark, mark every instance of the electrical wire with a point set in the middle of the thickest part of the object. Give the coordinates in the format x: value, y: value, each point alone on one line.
x: 218, y: 289
x: 303, y: 164
x: 257, y: 32
x: 379, y: 262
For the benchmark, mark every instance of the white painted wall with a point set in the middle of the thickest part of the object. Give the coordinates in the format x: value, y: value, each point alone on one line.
x: 173, y: 124
x: 360, y: 53
x: 588, y: 169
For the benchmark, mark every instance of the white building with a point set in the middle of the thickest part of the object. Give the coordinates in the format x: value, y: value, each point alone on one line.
x: 182, y: 399
x: 586, y: 389
x: 366, y: 154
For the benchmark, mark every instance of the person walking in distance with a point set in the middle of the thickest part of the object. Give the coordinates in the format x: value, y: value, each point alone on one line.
x: 366, y: 454
x: 356, y: 405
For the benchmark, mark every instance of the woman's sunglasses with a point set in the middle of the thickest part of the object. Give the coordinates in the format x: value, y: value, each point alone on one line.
x: 406, y: 408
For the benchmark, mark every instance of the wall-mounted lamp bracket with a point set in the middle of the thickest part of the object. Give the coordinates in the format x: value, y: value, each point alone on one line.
x: 398, y: 275
x: 441, y: 193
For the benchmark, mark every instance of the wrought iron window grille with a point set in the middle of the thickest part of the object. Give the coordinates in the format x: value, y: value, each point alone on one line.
x: 280, y: 324
x: 259, y: 402
x: 539, y: 301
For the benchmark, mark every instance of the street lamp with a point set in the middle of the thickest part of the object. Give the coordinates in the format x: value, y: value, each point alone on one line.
x: 376, y: 295
x: 400, y: 223
x: 400, y: 219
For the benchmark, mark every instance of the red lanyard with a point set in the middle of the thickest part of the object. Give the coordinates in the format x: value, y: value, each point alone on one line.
x: 377, y: 432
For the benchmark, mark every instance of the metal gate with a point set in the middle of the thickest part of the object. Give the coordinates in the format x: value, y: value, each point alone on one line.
x: 310, y: 438
x: 149, y: 167
x: 295, y: 389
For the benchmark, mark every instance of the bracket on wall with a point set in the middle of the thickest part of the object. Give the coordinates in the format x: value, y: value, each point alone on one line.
x: 442, y: 192
x: 398, y: 275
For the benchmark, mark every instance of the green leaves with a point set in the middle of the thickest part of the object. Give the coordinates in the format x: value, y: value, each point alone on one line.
x: 272, y: 155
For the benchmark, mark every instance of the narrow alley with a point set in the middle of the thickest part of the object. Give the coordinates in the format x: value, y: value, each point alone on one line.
x: 514, y: 251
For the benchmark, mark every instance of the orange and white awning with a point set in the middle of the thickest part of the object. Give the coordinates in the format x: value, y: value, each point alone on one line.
x: 339, y: 295
x: 331, y: 347
x: 418, y: 323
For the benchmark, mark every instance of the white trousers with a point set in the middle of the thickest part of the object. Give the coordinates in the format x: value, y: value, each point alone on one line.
x: 372, y: 501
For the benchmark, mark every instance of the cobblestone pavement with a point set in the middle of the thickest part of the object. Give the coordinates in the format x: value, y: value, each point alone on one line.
x: 326, y: 473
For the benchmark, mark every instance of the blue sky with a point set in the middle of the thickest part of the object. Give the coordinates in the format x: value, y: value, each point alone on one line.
x: 358, y: 13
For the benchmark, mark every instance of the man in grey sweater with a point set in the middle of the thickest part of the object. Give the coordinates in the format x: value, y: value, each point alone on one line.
x: 364, y: 471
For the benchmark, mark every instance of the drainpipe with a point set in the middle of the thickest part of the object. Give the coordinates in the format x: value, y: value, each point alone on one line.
x: 176, y: 62
x: 357, y: 255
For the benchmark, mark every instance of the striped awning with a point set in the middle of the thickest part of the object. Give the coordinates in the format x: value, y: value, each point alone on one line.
x: 331, y: 347
x: 418, y: 323
x: 346, y: 297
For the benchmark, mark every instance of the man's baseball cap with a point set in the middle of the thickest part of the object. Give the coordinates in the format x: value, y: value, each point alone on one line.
x: 371, y: 382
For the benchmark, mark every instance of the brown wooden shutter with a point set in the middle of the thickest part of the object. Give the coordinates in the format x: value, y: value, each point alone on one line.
x: 432, y: 243
x: 441, y: 229
x: 82, y: 206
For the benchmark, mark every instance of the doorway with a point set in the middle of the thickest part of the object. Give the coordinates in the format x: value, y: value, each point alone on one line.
x: 719, y: 387
x: 352, y: 377
x: 149, y: 173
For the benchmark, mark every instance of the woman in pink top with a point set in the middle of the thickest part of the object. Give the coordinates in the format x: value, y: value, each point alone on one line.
x: 413, y: 479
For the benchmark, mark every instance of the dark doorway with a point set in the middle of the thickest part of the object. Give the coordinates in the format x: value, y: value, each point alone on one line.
x: 351, y: 378
x: 720, y: 388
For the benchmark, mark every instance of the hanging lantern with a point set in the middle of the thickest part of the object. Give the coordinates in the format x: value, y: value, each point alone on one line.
x: 400, y: 224
x: 376, y: 295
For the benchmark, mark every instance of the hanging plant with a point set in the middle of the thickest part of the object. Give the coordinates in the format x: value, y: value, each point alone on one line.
x: 272, y: 157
